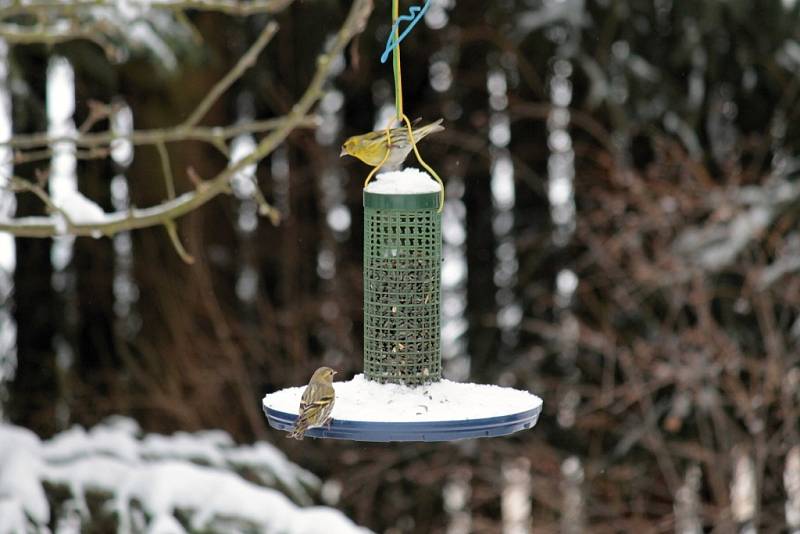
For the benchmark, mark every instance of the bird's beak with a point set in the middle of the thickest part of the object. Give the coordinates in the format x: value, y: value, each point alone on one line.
x: 335, y: 372
x: 343, y: 153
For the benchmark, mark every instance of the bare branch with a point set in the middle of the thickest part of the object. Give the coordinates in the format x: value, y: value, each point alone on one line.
x: 265, y: 209
x: 156, y: 136
x: 244, y: 63
x: 166, y: 168
x: 98, y: 111
x: 21, y: 185
x: 56, y: 33
x: 230, y: 7
x: 53, y: 22
x: 172, y: 230
x: 717, y: 244
x: 171, y: 209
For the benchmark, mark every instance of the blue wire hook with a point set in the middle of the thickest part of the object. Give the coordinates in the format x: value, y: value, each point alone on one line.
x: 415, y: 13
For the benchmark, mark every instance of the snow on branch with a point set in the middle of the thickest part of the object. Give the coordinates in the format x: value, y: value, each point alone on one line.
x: 199, y: 481
x: 230, y: 7
x: 118, y: 26
x: 716, y: 245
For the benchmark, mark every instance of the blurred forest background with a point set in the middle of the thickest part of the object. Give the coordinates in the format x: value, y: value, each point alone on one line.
x: 621, y: 238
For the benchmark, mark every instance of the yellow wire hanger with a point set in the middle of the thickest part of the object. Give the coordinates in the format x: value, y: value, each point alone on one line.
x: 401, y: 117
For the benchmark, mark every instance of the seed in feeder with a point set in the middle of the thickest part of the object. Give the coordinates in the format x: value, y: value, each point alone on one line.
x: 425, y: 371
x: 394, y: 309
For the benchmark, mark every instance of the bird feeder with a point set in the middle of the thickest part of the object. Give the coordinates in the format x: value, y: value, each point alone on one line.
x: 401, y: 395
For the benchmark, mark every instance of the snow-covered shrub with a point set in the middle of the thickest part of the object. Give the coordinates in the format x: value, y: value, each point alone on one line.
x: 114, y: 478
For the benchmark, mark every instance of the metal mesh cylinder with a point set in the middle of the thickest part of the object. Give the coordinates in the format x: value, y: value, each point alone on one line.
x: 402, y: 281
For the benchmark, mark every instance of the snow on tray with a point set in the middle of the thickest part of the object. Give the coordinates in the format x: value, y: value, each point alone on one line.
x: 406, y: 182
x: 365, y: 400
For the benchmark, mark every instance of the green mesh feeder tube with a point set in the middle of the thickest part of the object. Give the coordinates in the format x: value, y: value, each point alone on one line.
x: 401, y: 396
x: 402, y: 288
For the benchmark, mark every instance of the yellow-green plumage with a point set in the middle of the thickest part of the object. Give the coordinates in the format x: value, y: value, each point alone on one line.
x: 371, y: 147
x: 316, y: 403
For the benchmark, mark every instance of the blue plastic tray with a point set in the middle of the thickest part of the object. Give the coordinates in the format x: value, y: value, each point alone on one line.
x: 428, y: 431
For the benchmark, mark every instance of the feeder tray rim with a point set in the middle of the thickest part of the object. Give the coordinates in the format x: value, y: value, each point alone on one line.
x: 442, y: 410
x: 430, y: 431
x: 364, y: 400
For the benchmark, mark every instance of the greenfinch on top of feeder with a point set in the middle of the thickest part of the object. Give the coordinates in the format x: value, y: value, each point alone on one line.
x: 316, y: 403
x: 371, y: 147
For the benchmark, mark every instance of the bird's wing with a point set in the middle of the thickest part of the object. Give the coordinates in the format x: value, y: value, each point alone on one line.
x: 316, y: 395
x: 399, y: 137
x: 308, y: 394
x: 433, y: 127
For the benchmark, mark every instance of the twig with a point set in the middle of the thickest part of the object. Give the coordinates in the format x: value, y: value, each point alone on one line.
x: 47, y: 153
x: 244, y: 63
x: 197, y: 36
x: 97, y: 111
x: 20, y: 184
x: 265, y: 209
x: 172, y: 231
x: 166, y: 168
x: 195, y: 178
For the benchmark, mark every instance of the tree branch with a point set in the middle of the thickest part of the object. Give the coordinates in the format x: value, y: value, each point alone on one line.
x: 244, y: 63
x: 229, y: 7
x: 21, y: 185
x: 59, y: 32
x: 172, y: 231
x: 166, y: 168
x: 171, y: 209
x: 156, y: 136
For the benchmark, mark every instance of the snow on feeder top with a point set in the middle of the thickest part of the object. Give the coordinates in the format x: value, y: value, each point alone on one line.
x: 401, y: 395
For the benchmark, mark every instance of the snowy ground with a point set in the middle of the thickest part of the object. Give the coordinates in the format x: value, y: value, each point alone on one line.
x: 154, y: 483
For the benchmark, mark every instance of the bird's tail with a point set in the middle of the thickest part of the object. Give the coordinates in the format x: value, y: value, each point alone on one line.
x: 298, y: 431
x: 423, y: 131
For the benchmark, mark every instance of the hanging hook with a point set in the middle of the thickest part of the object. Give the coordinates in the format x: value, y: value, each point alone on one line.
x: 415, y: 13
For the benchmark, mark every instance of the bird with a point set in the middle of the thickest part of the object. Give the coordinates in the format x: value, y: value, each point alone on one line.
x: 371, y: 147
x: 316, y: 403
